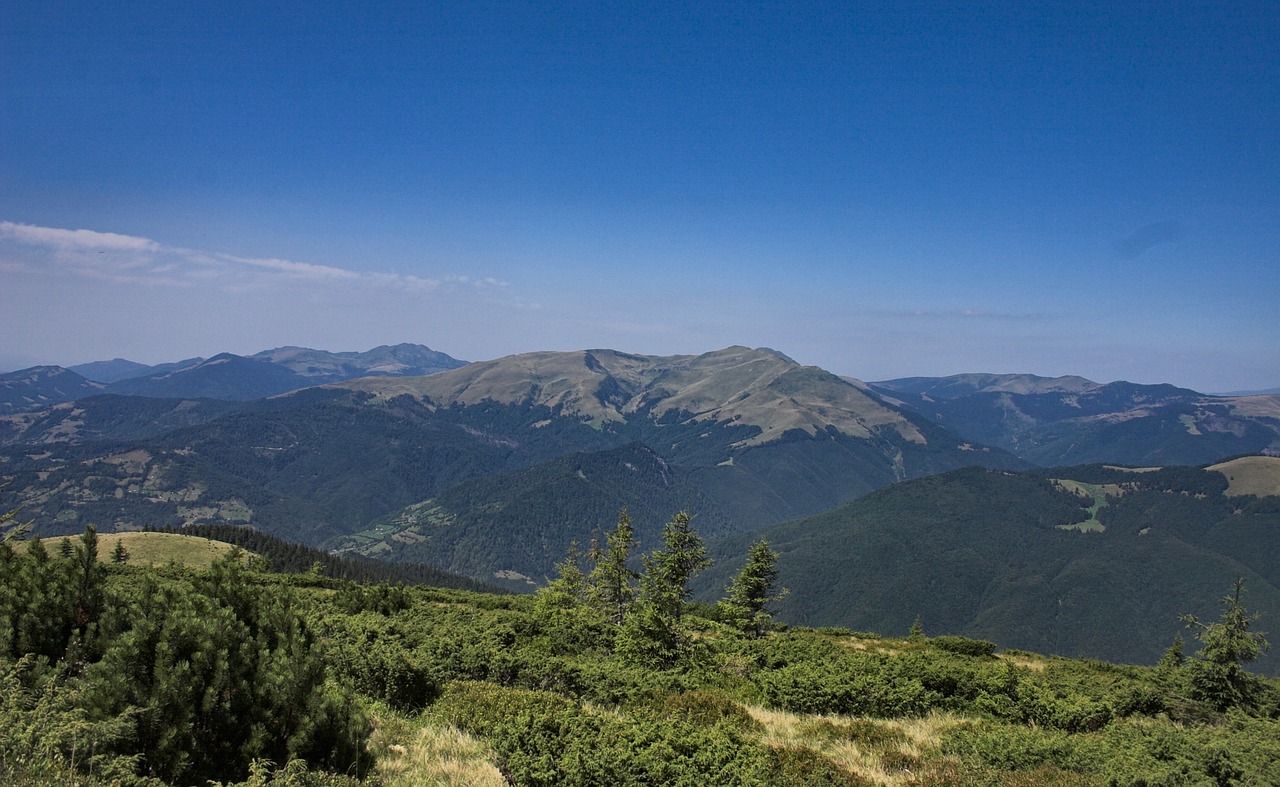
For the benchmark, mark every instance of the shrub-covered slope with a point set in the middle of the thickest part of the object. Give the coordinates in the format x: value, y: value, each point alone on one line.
x: 122, y: 675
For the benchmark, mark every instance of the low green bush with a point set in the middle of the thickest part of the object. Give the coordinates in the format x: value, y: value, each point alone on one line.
x: 963, y: 645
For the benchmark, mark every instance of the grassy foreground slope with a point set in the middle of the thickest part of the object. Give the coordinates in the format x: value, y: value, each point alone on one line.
x: 302, y: 680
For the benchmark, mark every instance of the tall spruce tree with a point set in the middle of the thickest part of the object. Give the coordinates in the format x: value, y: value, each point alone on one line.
x: 569, y: 588
x: 91, y: 577
x: 1216, y: 675
x: 653, y: 632
x: 751, y: 590
x: 611, y: 583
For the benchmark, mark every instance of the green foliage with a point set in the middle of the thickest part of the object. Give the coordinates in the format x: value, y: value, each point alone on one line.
x: 707, y: 708
x: 652, y: 633
x: 612, y: 581
x: 963, y: 645
x: 46, y: 737
x: 751, y: 591
x: 194, y: 677
x: 383, y: 599
x: 190, y: 675
x: 1149, y: 752
x: 570, y: 610
x: 543, y: 739
x: 1217, y: 675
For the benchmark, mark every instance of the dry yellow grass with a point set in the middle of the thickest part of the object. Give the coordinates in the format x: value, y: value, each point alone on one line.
x: 1251, y: 475
x: 157, y: 549
x: 1030, y: 662
x: 919, y: 743
x: 435, y: 756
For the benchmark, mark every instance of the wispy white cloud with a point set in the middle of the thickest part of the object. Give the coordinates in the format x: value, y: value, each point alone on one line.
x: 966, y: 314
x: 127, y: 259
x: 75, y: 239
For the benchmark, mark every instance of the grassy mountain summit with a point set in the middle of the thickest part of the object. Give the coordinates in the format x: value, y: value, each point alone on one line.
x: 958, y: 385
x: 759, y: 388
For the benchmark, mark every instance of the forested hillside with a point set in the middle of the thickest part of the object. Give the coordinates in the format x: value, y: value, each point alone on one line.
x: 1089, y: 561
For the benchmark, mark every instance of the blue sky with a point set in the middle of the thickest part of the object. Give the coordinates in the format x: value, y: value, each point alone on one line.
x: 881, y: 189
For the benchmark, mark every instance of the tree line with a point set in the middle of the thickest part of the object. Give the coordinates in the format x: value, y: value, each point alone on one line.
x: 641, y: 614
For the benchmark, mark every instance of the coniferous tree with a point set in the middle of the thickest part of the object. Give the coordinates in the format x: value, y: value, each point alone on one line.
x: 1216, y: 675
x: 653, y: 630
x: 611, y: 584
x: 751, y: 590
x: 571, y: 624
x: 120, y: 554
x: 1173, y: 657
x: 669, y: 570
x: 91, y: 577
x: 569, y: 588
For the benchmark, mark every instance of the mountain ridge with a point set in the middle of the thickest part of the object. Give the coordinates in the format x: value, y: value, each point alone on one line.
x: 1074, y: 421
x: 225, y: 376
x: 735, y: 385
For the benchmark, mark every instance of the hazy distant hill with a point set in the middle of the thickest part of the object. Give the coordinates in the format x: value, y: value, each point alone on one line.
x: 1091, y: 561
x: 1070, y: 420
x: 42, y: 386
x: 284, y: 369
x: 119, y: 369
x: 111, y: 371
x: 223, y: 376
x: 320, y: 366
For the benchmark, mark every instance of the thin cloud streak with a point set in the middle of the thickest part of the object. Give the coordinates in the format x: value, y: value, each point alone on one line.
x: 126, y: 259
x: 75, y: 239
x: 966, y: 314
x: 1148, y: 237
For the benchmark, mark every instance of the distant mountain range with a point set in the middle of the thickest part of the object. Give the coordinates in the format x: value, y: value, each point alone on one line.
x: 42, y: 386
x: 1071, y: 420
x: 491, y: 469
x: 750, y: 434
x: 225, y: 376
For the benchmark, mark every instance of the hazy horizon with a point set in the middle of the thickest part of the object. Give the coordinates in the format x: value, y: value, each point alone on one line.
x: 883, y: 190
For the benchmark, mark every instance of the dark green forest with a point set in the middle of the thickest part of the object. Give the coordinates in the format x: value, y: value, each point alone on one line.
x: 115, y: 674
x: 1030, y: 559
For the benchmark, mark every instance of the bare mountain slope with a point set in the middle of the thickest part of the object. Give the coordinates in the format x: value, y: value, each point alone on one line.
x: 760, y: 388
